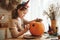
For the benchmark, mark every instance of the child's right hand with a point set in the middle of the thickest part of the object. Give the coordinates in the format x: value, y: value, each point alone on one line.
x: 26, y: 27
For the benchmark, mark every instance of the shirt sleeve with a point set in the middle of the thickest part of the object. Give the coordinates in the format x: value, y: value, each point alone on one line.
x: 13, y: 29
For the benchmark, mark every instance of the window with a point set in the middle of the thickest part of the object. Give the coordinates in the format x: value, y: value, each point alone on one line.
x: 36, y: 8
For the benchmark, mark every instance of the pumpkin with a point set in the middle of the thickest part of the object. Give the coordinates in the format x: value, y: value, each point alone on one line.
x: 36, y: 28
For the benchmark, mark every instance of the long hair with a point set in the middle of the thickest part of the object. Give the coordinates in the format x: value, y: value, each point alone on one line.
x: 15, y: 13
x: 22, y: 6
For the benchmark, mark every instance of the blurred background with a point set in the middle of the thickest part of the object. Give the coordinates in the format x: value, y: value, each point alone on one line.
x: 36, y: 10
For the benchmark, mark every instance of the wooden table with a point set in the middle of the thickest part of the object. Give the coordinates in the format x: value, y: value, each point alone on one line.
x: 44, y: 37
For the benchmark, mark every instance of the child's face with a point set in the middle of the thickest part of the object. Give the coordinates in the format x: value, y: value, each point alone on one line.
x: 22, y: 13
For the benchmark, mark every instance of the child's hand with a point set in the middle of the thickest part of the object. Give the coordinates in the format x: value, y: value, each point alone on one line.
x: 38, y: 20
x: 26, y: 27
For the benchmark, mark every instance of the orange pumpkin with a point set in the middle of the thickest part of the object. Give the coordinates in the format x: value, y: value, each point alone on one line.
x: 36, y: 28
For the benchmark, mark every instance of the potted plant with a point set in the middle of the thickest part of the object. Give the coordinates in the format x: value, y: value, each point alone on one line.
x: 52, y: 14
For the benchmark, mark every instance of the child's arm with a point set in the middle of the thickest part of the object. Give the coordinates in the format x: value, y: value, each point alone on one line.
x: 25, y: 30
x: 14, y: 30
x: 27, y: 22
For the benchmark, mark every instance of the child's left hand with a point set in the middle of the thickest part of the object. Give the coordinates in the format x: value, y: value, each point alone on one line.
x: 38, y: 20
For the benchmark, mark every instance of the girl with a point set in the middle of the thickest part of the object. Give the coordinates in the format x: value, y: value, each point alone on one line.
x: 18, y: 25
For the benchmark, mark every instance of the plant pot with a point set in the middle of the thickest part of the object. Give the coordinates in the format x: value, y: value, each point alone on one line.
x: 53, y: 25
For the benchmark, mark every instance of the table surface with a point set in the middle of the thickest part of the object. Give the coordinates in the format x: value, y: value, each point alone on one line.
x: 44, y: 37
